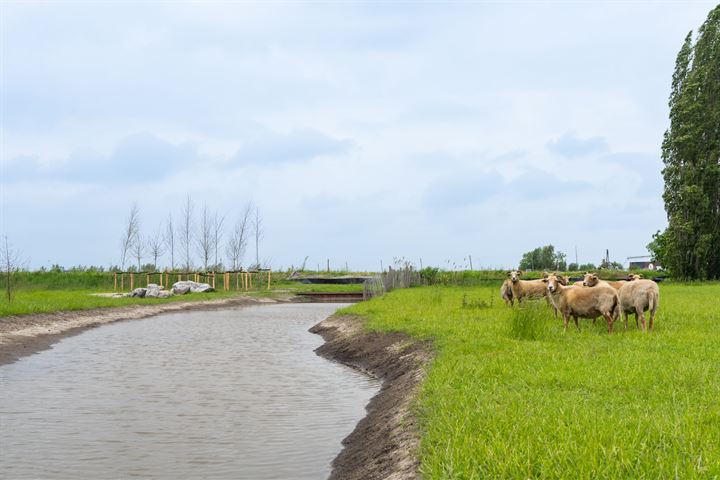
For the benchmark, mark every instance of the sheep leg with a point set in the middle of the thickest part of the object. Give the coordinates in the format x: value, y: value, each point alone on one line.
x: 640, y: 313
x: 625, y: 319
x: 577, y: 325
x: 609, y: 319
x: 565, y: 320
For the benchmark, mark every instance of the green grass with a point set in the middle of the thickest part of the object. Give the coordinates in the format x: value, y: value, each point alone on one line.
x: 511, y: 395
x: 43, y: 301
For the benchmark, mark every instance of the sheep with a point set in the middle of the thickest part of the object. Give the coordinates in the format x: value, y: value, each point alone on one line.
x: 591, y: 279
x: 574, y: 301
x: 522, y: 289
x: 638, y: 296
x: 506, y: 293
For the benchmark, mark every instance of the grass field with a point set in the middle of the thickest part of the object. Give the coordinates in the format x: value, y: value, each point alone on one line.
x: 511, y: 395
x: 43, y: 301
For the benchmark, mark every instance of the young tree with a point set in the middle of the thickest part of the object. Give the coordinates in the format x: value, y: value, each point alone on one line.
x: 691, y: 155
x: 186, y: 228
x: 131, y: 230
x: 10, y: 261
x: 156, y: 247
x: 258, y: 233
x: 237, y: 242
x: 169, y: 239
x: 138, y: 249
x: 217, y: 225
x: 204, y: 238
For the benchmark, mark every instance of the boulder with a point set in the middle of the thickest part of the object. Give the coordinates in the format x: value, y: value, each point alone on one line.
x: 139, y: 292
x: 181, y: 288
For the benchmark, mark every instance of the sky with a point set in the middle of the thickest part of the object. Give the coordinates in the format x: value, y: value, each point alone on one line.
x: 364, y: 132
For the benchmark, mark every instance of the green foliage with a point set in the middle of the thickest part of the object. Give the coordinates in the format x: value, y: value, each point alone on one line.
x: 510, y: 395
x: 543, y: 258
x: 690, y: 246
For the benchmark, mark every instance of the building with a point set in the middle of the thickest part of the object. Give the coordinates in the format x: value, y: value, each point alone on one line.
x: 643, y: 262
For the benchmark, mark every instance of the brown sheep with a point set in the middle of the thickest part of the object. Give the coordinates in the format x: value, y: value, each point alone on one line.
x: 591, y: 279
x: 575, y: 301
x: 522, y: 289
x: 506, y: 293
x: 637, y: 297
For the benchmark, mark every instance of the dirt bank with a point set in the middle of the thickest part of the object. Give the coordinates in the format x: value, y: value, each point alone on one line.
x: 384, y: 444
x: 22, y: 335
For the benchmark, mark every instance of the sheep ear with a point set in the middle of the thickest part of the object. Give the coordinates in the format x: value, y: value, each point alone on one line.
x: 520, y: 272
x: 545, y: 280
x: 509, y: 273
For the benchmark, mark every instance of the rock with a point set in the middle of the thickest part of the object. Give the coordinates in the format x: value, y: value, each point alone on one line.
x: 164, y: 294
x: 139, y: 292
x: 181, y: 288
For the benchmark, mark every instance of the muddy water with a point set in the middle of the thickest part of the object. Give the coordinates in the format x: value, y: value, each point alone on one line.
x: 223, y: 394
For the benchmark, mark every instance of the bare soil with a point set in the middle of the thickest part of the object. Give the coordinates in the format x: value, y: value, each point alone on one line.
x: 385, y: 443
x: 22, y: 335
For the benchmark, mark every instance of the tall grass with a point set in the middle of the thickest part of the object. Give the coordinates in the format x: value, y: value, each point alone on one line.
x: 511, y: 395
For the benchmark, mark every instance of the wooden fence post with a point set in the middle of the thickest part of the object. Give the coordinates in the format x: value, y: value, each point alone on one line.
x: 269, y: 277
x: 115, y: 281
x: 132, y: 282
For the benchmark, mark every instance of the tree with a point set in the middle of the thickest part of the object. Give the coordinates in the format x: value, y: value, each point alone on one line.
x: 138, y: 249
x: 169, y: 238
x: 204, y: 237
x: 186, y: 228
x: 258, y: 233
x: 131, y: 230
x: 237, y: 242
x: 217, y: 225
x: 10, y: 259
x: 156, y: 247
x: 690, y: 246
x: 543, y: 258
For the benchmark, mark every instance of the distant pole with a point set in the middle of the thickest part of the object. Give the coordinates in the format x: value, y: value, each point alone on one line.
x: 421, y: 265
x: 470, y: 257
x: 381, y: 266
x: 328, y: 265
x: 576, y: 258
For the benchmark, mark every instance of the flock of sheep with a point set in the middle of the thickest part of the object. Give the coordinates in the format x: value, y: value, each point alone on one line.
x: 589, y: 298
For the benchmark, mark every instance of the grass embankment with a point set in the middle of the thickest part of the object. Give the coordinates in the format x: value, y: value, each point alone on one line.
x: 44, y: 301
x: 510, y: 395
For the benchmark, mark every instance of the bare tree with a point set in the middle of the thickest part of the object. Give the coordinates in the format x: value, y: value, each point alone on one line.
x: 156, y: 246
x: 217, y: 234
x: 169, y: 240
x: 10, y: 259
x: 131, y: 230
x: 204, y: 237
x: 138, y: 249
x: 237, y: 242
x: 258, y: 233
x: 186, y: 228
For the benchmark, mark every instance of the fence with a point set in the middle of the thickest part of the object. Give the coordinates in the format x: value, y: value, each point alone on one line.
x: 243, y: 279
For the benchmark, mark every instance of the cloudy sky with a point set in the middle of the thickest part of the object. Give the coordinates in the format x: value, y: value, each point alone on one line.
x: 362, y: 131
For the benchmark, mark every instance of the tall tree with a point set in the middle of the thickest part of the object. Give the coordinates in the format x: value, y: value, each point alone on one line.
x: 217, y: 226
x: 186, y: 229
x: 131, y: 230
x: 204, y: 237
x: 138, y: 249
x: 156, y: 247
x: 258, y: 233
x: 690, y: 246
x: 237, y: 242
x: 543, y: 258
x: 169, y: 238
